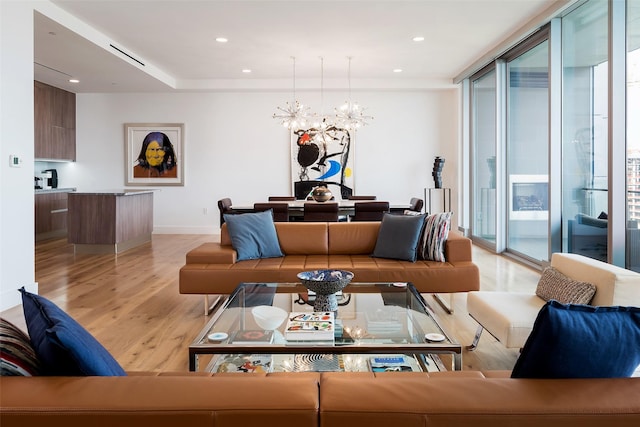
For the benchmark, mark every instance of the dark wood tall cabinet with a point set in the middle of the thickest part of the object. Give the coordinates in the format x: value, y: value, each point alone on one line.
x: 54, y: 123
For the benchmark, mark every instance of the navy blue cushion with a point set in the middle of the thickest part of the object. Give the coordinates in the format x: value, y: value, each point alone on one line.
x: 63, y: 346
x: 581, y: 341
x: 398, y: 237
x: 253, y: 235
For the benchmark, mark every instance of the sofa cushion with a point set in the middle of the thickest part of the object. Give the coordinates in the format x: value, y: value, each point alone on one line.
x: 63, y: 346
x: 555, y: 285
x: 589, y: 220
x: 353, y: 238
x: 398, y: 237
x: 581, y: 341
x: 17, y: 357
x: 434, y: 236
x: 253, y: 235
x: 303, y: 238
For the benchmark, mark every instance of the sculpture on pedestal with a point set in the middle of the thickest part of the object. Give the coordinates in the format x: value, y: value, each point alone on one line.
x: 438, y: 164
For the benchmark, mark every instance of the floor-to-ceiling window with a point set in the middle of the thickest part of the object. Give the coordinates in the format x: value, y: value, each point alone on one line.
x: 527, y: 151
x: 583, y: 126
x: 584, y: 129
x: 483, y: 125
x: 633, y: 134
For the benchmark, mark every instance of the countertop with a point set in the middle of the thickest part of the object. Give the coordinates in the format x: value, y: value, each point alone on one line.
x: 114, y: 192
x: 55, y: 190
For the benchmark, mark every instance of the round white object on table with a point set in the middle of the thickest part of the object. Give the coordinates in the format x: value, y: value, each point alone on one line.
x: 218, y: 336
x: 434, y: 337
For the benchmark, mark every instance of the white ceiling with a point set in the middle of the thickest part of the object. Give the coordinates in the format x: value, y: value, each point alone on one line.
x: 176, y: 42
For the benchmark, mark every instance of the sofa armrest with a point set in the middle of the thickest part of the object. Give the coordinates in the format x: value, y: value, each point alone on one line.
x: 457, y: 248
x: 212, y: 253
x: 615, y: 285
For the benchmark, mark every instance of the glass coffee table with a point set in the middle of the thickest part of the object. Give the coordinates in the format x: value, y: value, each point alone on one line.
x: 378, y: 326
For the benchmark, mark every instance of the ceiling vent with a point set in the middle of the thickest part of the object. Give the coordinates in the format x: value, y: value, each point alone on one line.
x: 127, y: 55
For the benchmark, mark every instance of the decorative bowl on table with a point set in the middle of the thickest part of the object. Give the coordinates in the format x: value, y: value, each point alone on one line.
x: 268, y: 317
x: 321, y: 194
x: 325, y: 284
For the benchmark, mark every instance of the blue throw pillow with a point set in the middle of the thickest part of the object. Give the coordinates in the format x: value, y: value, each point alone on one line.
x: 399, y: 236
x: 581, y: 341
x: 253, y: 235
x: 63, y: 347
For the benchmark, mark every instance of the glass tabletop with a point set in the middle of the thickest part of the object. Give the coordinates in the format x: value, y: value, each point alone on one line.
x: 382, y: 318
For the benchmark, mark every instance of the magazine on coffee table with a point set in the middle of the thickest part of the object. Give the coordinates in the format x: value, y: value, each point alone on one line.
x: 391, y: 363
x: 243, y: 363
x: 252, y: 337
x: 305, y: 326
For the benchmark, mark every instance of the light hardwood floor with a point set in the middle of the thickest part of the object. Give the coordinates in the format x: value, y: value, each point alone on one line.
x: 130, y: 301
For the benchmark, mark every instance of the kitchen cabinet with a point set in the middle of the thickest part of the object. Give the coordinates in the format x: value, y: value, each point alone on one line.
x: 54, y: 123
x: 110, y: 222
x: 51, y: 215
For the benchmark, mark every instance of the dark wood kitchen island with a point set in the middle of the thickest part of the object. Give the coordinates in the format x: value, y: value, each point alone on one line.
x: 109, y: 222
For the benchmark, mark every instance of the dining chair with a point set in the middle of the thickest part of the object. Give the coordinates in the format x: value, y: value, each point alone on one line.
x: 362, y: 197
x: 280, y: 210
x: 416, y: 204
x: 282, y: 198
x: 370, y: 211
x: 321, y: 212
x: 224, y: 205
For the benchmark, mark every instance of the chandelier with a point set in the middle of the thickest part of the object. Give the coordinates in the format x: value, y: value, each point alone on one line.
x: 293, y: 115
x: 350, y: 115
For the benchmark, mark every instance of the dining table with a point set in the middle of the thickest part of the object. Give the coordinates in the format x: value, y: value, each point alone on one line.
x: 346, y: 208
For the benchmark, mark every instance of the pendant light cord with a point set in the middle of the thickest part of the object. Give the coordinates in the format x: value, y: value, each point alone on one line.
x: 349, y: 78
x: 294, y: 80
x: 322, y: 86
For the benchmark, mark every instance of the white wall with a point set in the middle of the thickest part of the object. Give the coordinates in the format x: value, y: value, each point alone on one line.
x: 16, y: 135
x: 234, y: 148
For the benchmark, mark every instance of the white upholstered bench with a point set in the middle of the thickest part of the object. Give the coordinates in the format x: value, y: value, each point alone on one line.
x: 509, y: 316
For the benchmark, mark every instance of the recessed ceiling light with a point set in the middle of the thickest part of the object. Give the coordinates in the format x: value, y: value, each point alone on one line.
x: 221, y: 39
x: 246, y: 70
x: 74, y: 81
x: 397, y: 70
x: 418, y: 39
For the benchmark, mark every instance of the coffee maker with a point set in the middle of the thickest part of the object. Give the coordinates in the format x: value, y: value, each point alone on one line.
x: 49, y: 179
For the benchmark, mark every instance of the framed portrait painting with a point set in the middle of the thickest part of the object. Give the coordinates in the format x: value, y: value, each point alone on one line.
x: 154, y: 153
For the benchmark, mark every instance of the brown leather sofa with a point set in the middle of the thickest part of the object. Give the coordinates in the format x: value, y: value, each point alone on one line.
x: 313, y: 399
x: 212, y: 267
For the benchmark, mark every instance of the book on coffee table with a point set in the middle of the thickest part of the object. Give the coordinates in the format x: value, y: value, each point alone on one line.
x: 252, y: 337
x: 315, y: 326
x: 391, y: 363
x: 244, y: 363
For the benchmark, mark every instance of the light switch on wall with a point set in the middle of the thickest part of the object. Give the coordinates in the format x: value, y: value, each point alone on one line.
x: 15, y: 161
